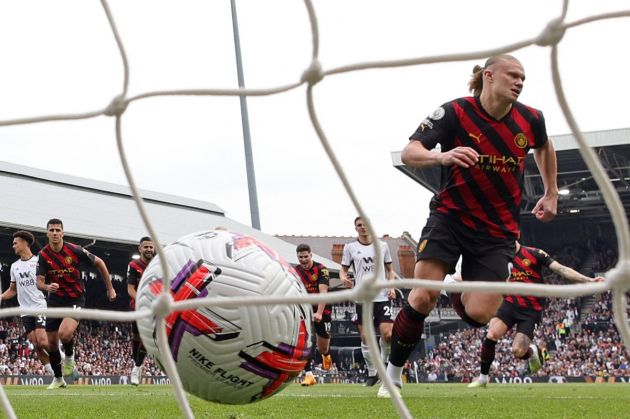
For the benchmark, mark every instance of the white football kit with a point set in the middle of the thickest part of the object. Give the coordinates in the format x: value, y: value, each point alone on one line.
x: 361, y: 259
x: 25, y: 279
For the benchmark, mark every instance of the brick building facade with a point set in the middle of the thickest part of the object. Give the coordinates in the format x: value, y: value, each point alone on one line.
x: 402, y: 249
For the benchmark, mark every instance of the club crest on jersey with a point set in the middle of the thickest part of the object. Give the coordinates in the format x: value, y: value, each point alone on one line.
x: 68, y: 260
x: 527, y: 262
x: 314, y: 277
x: 438, y: 114
x: 426, y: 124
x: 520, y: 140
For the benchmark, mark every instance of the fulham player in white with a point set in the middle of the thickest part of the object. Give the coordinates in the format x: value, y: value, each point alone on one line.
x: 23, y: 284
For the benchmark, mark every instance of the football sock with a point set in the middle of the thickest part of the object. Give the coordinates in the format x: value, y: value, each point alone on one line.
x: 528, y: 354
x: 386, y: 348
x: 367, y: 356
x: 406, y: 333
x: 487, y: 355
x: 395, y: 373
x: 134, y: 349
x: 55, y: 362
x: 68, y: 348
x: 140, y: 355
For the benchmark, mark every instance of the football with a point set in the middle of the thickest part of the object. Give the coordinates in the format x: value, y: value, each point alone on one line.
x: 231, y: 355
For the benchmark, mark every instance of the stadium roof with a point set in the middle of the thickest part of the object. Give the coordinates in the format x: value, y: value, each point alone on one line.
x: 584, y: 202
x: 106, y: 212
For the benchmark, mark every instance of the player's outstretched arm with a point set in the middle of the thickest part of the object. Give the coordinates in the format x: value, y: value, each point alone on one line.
x: 571, y: 274
x: 131, y: 290
x: 323, y: 289
x: 391, y: 276
x: 343, y: 276
x: 547, y: 206
x: 9, y: 293
x: 415, y: 154
x: 102, y: 268
x: 42, y: 286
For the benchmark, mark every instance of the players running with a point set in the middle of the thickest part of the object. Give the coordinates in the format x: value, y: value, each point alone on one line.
x: 135, y: 269
x: 59, y: 274
x: 484, y: 141
x: 24, y: 285
x: 361, y: 257
x: 316, y: 278
x: 523, y: 311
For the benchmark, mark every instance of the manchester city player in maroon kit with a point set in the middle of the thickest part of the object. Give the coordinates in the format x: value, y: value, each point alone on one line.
x: 484, y: 140
x: 135, y: 269
x: 523, y: 311
x: 59, y: 274
x: 316, y: 279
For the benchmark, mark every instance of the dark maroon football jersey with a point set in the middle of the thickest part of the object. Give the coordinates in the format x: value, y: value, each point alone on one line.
x: 64, y: 268
x: 485, y: 197
x: 527, y: 267
x: 135, y: 269
x: 312, y: 278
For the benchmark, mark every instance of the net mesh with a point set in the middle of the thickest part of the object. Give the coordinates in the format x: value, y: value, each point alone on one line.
x: 618, y: 279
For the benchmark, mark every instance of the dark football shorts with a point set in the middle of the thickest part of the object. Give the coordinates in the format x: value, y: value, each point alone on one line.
x: 322, y: 328
x: 33, y: 322
x: 525, y: 318
x: 484, y: 258
x: 52, y: 324
x: 382, y: 313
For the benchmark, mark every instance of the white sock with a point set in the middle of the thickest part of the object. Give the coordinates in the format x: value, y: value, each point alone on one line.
x: 395, y: 373
x: 483, y: 377
x: 365, y: 350
x: 309, y: 373
x: 48, y: 369
x: 386, y: 349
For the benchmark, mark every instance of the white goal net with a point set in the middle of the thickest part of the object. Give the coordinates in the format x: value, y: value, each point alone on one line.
x: 315, y: 74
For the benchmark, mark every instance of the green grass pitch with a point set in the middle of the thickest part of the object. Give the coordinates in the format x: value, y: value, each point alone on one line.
x: 332, y: 401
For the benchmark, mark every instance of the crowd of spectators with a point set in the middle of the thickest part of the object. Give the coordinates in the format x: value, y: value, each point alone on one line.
x: 605, y: 256
x: 102, y: 348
